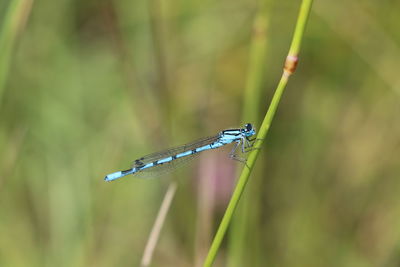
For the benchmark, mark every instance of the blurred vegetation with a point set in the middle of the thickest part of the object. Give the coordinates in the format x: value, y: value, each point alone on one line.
x: 88, y: 86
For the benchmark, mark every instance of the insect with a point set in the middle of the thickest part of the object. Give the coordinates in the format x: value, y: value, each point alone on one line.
x: 169, y: 158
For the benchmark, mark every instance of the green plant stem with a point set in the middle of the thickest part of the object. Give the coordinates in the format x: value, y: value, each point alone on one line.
x: 300, y: 26
x: 290, y: 66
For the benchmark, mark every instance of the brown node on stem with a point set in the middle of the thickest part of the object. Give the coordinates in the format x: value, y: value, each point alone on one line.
x: 290, y: 64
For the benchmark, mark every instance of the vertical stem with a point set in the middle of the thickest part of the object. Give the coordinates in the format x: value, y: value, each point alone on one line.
x: 289, y: 68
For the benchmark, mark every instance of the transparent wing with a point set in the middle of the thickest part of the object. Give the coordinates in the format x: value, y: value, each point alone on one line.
x: 171, y: 165
x: 165, y: 168
x: 174, y: 151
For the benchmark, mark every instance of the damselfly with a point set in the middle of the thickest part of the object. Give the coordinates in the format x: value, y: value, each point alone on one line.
x: 168, y: 158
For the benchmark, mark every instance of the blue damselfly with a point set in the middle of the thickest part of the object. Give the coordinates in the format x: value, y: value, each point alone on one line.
x: 169, y: 158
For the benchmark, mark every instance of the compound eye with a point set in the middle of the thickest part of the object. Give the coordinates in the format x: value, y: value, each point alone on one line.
x: 249, y: 127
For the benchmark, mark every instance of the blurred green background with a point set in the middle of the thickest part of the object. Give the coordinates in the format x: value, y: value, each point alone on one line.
x: 88, y: 86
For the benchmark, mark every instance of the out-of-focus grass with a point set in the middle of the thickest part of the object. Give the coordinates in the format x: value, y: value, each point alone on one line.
x: 14, y: 17
x: 247, y: 216
x: 83, y: 99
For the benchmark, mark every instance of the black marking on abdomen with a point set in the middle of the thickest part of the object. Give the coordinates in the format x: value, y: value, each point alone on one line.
x: 194, y: 151
x: 174, y: 157
x: 155, y: 163
x: 126, y: 171
x: 213, y: 145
